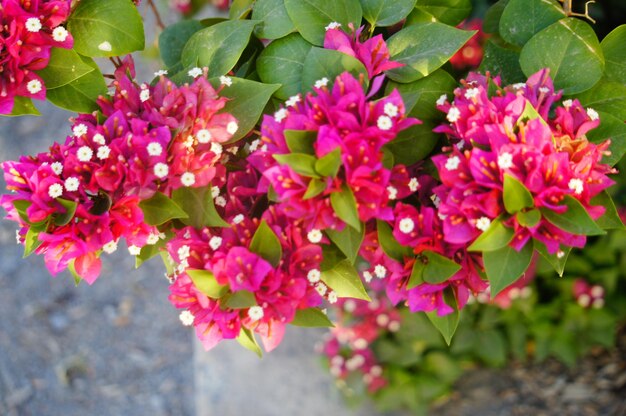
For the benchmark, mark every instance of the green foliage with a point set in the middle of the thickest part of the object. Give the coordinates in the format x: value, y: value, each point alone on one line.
x: 205, y: 282
x: 345, y: 281
x: 505, y: 265
x: 266, y: 244
x: 615, y: 54
x: 23, y: 106
x: 348, y: 241
x: 451, y: 12
x: 173, y: 39
x: 574, y: 220
x: 247, y: 340
x: 198, y: 206
x: 522, y: 19
x: 160, y: 209
x: 326, y: 63
x: 311, y: 317
x: 515, y: 195
x: 386, y: 13
x: 495, y: 237
x: 344, y: 205
x: 275, y: 22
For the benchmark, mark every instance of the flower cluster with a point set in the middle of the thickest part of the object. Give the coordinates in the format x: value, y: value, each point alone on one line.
x: 28, y: 31
x: 588, y: 296
x: 471, y: 54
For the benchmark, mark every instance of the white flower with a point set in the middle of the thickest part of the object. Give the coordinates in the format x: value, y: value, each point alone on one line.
x: 526, y: 292
x: 215, y: 242
x: 460, y: 145
x: 376, y: 371
x: 254, y: 145
x: 216, y: 148
x: 442, y: 100
x: 220, y: 201
x: 597, y: 291
x: 313, y: 276
x: 110, y: 247
x: 349, y: 306
x: 33, y: 24
x: 380, y: 271
x: 57, y: 168
x: 59, y: 34
x: 593, y: 114
x: 186, y: 318
x: 34, y: 86
x: 134, y: 250
x: 359, y: 344
x: 203, y: 136
x: 384, y: 123
x: 155, y: 149
x: 367, y: 276
x: 453, y: 163
x: 152, y: 239
x: 292, y: 101
x: 224, y: 80
x: 584, y: 300
x: 321, y: 82
x: 79, y: 130
x: 84, y: 153
x: 332, y: 297
x: 279, y: 116
x: 597, y: 303
x: 160, y: 72
x: 453, y: 115
x: 183, y: 252
x: 519, y: 85
x: 255, y: 313
x: 55, y: 190
x: 314, y: 236
x: 333, y: 25
x: 105, y: 46
x: 215, y: 191
x: 232, y: 127
x: 471, y: 93
x: 483, y: 223
x: 567, y: 103
x: 514, y: 293
x: 560, y: 254
x: 406, y: 225
x: 71, y: 184
x: 436, y: 200
x: 391, y: 109
x: 321, y: 289
x: 576, y: 185
x: 505, y: 160
x: 144, y: 95
x: 394, y: 326
x: 382, y: 320
x: 188, y: 179
x: 103, y: 152
x: 413, y: 184
x: 194, y: 72
x: 161, y: 170
x: 98, y: 139
x: 238, y: 219
x: 392, y: 192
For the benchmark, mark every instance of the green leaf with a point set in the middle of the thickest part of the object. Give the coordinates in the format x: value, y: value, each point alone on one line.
x: 328, y: 165
x: 327, y: 63
x: 312, y: 16
x: 565, y: 47
x: 447, y: 324
x: 240, y: 299
x: 275, y: 22
x: 615, y: 54
x: 516, y: 196
x: 22, y: 106
x: 530, y: 113
x: 64, y: 67
x: 239, y: 9
x: 106, y: 28
x: 575, y: 220
x: 247, y: 99
x: 528, y: 218
x: 614, y: 129
x: 344, y: 280
x: 522, y: 19
x: 502, y: 60
x: 72, y: 269
x: 491, y: 22
x: 344, y: 205
x: 348, y: 240
x: 316, y: 187
x: 31, y: 241
x: 606, y: 96
x: 386, y: 13
x: 160, y: 209
x: 218, y: 47
x: 417, y: 273
x: 311, y: 318
x: 414, y: 143
x: 299, y: 162
x: 610, y: 220
x: 389, y: 244
x: 504, y: 266
x: 81, y: 94
x: 148, y: 251
x: 282, y: 62
x: 450, y: 12
x: 301, y: 141
x: 491, y: 347
x: 66, y: 217
x: 247, y: 340
x: 266, y: 244
x: 494, y: 238
x: 423, y: 48
x: 199, y: 207
x: 438, y: 269
x: 556, y: 261
x: 205, y: 282
x: 173, y: 39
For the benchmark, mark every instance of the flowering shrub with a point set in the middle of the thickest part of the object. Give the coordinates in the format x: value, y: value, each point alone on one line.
x: 299, y: 155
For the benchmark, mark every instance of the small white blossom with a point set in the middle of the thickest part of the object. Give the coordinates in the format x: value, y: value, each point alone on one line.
x: 321, y: 288
x: 593, y: 114
x: 204, y: 136
x: 57, y: 168
x: 526, y: 292
x: 380, y: 271
x: 314, y: 236
x: 60, y: 34
x: 224, y: 80
x: 238, y: 219
x: 584, y: 300
x: 544, y: 90
x: 505, y: 160
x: 376, y: 371
x: 103, y: 152
x: 436, y: 200
x: 217, y: 148
x: 441, y: 216
x: 233, y: 150
x: 453, y: 115
x: 160, y: 72
x: 110, y: 247
x: 560, y: 254
x: 392, y: 192
x: 472, y: 93
x: 134, y: 250
x: 152, y: 239
x: 407, y: 225
x: 161, y: 170
x: 232, y: 127
x: 355, y: 362
x: 186, y: 318
x: 280, y: 115
x: 71, y: 184
x: 144, y: 95
x: 333, y: 25
x: 215, y: 191
x: 79, y: 130
x: 194, y: 72
x: 597, y: 303
x: 84, y: 153
x: 155, y: 149
x: 483, y: 223
x: 98, y: 139
x: 567, y: 103
x: 384, y: 123
x: 460, y: 145
x: 514, y: 293
x: 188, y: 179
x: 453, y: 163
x: 255, y: 313
x: 254, y: 145
x: 332, y: 297
x: 215, y: 242
x: 321, y: 82
x: 394, y: 326
x: 576, y: 185
x: 183, y: 252
x: 34, y: 86
x: 359, y: 344
x: 597, y: 291
x: 220, y: 201
x: 367, y: 276
x: 292, y: 101
x: 382, y: 320
x: 55, y: 190
x: 391, y: 109
x: 33, y: 24
x: 414, y: 184
x: 349, y: 306
x: 519, y: 85
x: 313, y: 276
x: 105, y: 46
x: 442, y: 99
